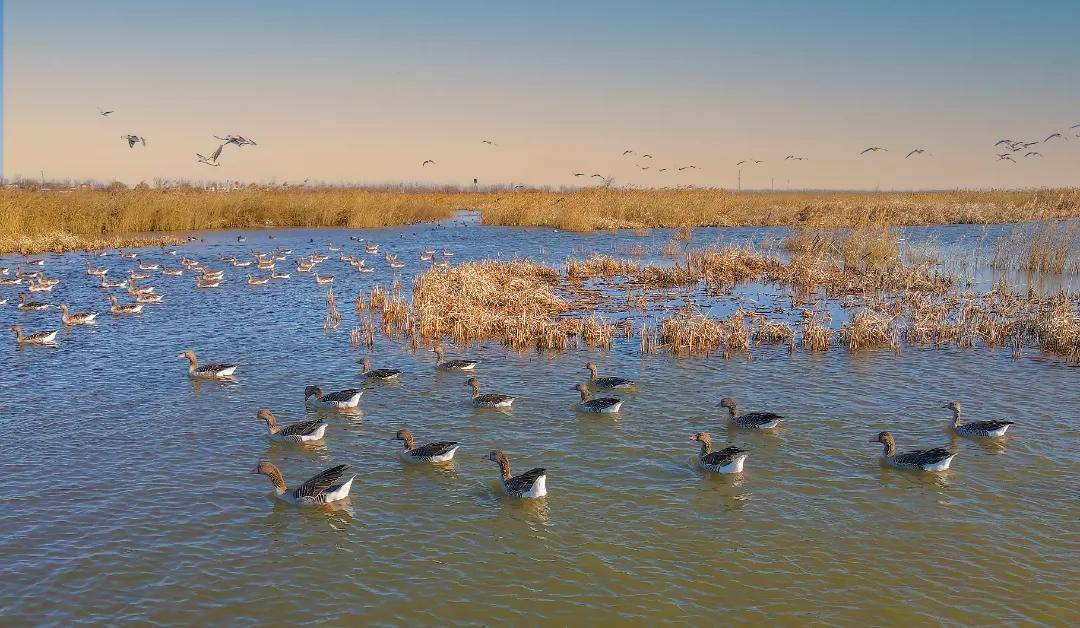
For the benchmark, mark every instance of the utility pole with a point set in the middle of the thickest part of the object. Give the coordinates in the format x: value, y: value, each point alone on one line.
x: 42, y: 178
x: 740, y: 179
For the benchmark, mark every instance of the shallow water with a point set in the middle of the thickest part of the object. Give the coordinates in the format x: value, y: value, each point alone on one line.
x: 127, y: 493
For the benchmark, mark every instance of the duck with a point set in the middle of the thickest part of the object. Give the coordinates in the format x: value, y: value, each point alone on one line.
x: 303, y: 432
x: 77, y: 318
x: 383, y: 375
x: 207, y: 370
x: 451, y: 365
x: 936, y: 459
x: 39, y: 338
x: 324, y: 488
x: 314, y: 397
x: 751, y: 420
x: 977, y: 429
x: 607, y: 383
x: 123, y: 308
x: 323, y: 279
x: 727, y: 460
x: 528, y: 485
x: 489, y: 400
x: 257, y: 281
x: 31, y: 306
x: 600, y: 405
x: 442, y: 451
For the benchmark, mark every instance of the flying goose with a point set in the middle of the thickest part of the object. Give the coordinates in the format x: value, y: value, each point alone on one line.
x: 977, y: 429
x: 105, y: 113
x: 427, y: 161
x: 873, y: 149
x: 132, y: 140
x: 206, y: 370
x: 602, y: 405
x: 532, y: 483
x: 314, y: 397
x: 432, y: 452
x: 212, y: 160
x: 752, y: 420
x: 488, y: 400
x: 39, y: 338
x: 937, y: 459
x: 917, y: 151
x: 324, y: 488
x: 727, y: 460
x: 304, y: 432
x: 451, y: 365
x: 378, y: 374
x: 1054, y: 136
x: 239, y: 140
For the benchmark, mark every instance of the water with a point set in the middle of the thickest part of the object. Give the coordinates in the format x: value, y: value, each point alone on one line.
x: 127, y: 493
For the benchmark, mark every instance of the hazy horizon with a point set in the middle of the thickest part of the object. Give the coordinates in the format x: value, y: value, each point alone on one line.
x: 363, y: 94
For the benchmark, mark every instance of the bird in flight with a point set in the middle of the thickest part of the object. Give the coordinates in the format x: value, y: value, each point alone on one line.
x: 795, y: 157
x: 239, y: 140
x: 132, y: 140
x: 212, y: 160
x: 642, y: 167
x: 662, y: 170
x: 579, y: 174
x: 742, y: 162
x: 681, y: 168
x: 646, y: 156
x: 104, y: 113
x: 1054, y: 135
x: 1033, y: 153
x: 427, y: 161
x: 597, y: 176
x: 1005, y: 141
x: 873, y: 149
x: 758, y: 161
x: 917, y: 151
x: 489, y: 142
x: 1006, y: 157
x: 627, y: 152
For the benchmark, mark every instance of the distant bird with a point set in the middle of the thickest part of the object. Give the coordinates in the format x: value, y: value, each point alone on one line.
x: 597, y: 176
x: 427, y: 161
x: 579, y: 174
x: 1075, y: 126
x: 1033, y: 153
x: 489, y: 142
x: 681, y: 168
x: 104, y: 113
x: 212, y: 160
x: 239, y: 140
x: 917, y: 151
x: 1000, y: 142
x: 662, y: 170
x: 132, y: 140
x: 795, y: 157
x: 1054, y: 135
x: 873, y: 149
x: 643, y: 167
x: 756, y: 161
x: 628, y: 152
x: 738, y: 164
x: 646, y: 156
x: 1006, y: 157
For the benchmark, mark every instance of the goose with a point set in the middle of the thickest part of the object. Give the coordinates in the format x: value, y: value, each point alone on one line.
x: 241, y: 264
x: 123, y: 308
x: 441, y: 451
x: 451, y: 365
x: 47, y: 281
x: 602, y: 405
x: 3, y: 302
x: 31, y: 306
x: 378, y: 374
x: 257, y: 281
x: 10, y: 281
x: 201, y: 282
x: 145, y: 266
x: 39, y: 338
x: 304, y: 432
x: 977, y: 429
x: 207, y: 370
x: 396, y: 264
x: 78, y: 318
x: 277, y: 275
x: 489, y: 400
x: 937, y: 459
x: 324, y: 488
x: 33, y: 261
x: 323, y: 280
x: 528, y: 485
x: 148, y: 297
x: 447, y: 253
x: 172, y: 272
x: 314, y: 397
x: 371, y: 249
x: 134, y: 276
x: 727, y: 460
x: 106, y: 285
x: 38, y: 287
x: 95, y: 272
x: 128, y: 255
x: 607, y: 383
x: 301, y: 267
x: 752, y: 420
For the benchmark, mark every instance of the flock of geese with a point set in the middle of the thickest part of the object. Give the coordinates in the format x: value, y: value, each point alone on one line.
x: 213, y: 159
x: 334, y: 484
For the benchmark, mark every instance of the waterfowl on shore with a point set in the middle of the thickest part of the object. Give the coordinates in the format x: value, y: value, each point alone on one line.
x: 600, y: 405
x: 528, y: 485
x: 31, y: 306
x: 727, y: 460
x: 314, y: 397
x: 123, y: 308
x: 441, y: 451
x: 206, y: 370
x: 977, y: 429
x: 488, y: 400
x: 751, y: 420
x: 77, y: 318
x: 607, y: 383
x: 324, y: 488
x: 936, y: 459
x: 304, y: 432
x: 451, y: 365
x: 257, y: 281
x: 38, y: 338
x: 378, y: 374
x: 323, y: 279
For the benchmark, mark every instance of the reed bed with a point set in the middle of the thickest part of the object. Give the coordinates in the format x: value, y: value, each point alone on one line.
x: 1049, y: 247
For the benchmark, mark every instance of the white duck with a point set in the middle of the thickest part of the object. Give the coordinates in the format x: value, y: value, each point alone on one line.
x: 206, y: 370
x: 304, y: 432
x: 727, y: 460
x: 324, y: 488
x: 441, y: 451
x: 314, y: 397
x: 528, y: 485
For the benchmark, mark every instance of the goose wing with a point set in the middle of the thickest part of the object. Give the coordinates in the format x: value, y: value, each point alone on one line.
x: 759, y: 418
x: 383, y: 373
x: 341, y: 395
x: 986, y: 426
x: 494, y: 398
x: 302, y: 429
x: 522, y: 483
x: 433, y: 449
x: 613, y: 382
x: 923, y: 457
x: 602, y: 403
x: 321, y: 483
x: 458, y: 364
x: 723, y: 457
x: 214, y: 368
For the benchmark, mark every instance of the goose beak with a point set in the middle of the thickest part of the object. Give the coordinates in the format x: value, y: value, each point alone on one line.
x: 255, y: 470
x: 693, y: 437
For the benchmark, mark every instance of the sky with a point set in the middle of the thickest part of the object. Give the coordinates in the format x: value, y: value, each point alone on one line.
x: 363, y: 92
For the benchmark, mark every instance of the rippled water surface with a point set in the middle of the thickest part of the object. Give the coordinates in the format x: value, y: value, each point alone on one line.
x: 127, y: 493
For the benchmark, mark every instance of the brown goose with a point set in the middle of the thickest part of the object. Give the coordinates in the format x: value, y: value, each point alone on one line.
x: 600, y: 405
x: 752, y: 420
x: 532, y: 483
x: 936, y: 459
x: 606, y: 383
x: 39, y: 338
x: 451, y: 365
x: 727, y: 460
x: 488, y: 400
x: 206, y: 370
x: 303, y: 432
x: 977, y: 429
x: 31, y: 306
x: 77, y: 318
x: 324, y: 488
x: 441, y: 451
x: 123, y: 308
x: 384, y: 375
x: 314, y: 397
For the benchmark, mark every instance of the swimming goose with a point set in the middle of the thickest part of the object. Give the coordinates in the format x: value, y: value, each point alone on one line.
x: 257, y: 281
x: 321, y: 489
x: 447, y: 253
x: 241, y: 264
x: 601, y: 405
x: 206, y: 370
x: 277, y: 275
x: 123, y: 308
x: 128, y: 255
x: 95, y: 272
x: 378, y: 374
x: 11, y: 281
x: 32, y: 306
x: 39, y: 338
x: 78, y: 318
x: 47, y: 281
x: 607, y: 383
x: 145, y: 266
x: 323, y: 279
x: 752, y: 420
x: 3, y: 302
x: 532, y: 483
x: 489, y: 400
x: 371, y: 249
x: 727, y: 460
x: 134, y: 276
x: 106, y: 284
x: 303, y: 432
x: 148, y: 297
x: 314, y: 397
x: 441, y: 451
x: 38, y: 287
x: 936, y: 459
x: 451, y: 365
x: 172, y: 272
x: 202, y: 282
x: 977, y: 429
